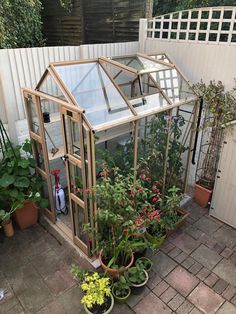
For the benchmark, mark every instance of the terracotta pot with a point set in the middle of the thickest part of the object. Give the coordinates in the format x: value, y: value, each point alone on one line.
x: 8, y: 228
x: 182, y: 212
x: 202, y: 195
x: 114, y: 273
x: 26, y: 216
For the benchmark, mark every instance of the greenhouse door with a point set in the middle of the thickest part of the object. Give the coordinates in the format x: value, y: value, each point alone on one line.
x: 72, y: 129
x: 223, y: 205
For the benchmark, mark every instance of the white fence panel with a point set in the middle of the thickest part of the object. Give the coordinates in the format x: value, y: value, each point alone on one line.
x: 109, y: 50
x: 202, y: 42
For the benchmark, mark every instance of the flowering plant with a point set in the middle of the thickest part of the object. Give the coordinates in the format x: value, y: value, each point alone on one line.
x: 96, y: 289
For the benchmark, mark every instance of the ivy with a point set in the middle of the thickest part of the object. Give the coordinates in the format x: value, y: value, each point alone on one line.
x: 20, y: 23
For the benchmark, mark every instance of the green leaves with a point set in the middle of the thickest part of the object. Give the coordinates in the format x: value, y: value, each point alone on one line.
x: 22, y: 182
x: 23, y: 163
x: 6, y: 180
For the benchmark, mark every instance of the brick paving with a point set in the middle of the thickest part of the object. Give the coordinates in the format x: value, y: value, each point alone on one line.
x: 194, y: 272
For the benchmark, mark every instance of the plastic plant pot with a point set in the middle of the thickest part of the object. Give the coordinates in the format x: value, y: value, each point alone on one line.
x: 120, y: 299
x: 138, y: 288
x: 156, y: 241
x: 106, y: 312
x: 147, y: 260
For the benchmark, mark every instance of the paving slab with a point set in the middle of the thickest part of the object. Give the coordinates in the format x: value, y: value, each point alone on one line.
x: 205, y: 299
x: 206, y: 225
x: 163, y: 264
x: 226, y: 236
x: 7, y: 304
x: 60, y: 281
x: 227, y: 271
x: 47, y: 263
x: 151, y: 304
x: 227, y: 308
x: 17, y: 309
x: 35, y: 296
x: 135, y: 299
x: 206, y: 257
x: 153, y: 280
x: 70, y: 300
x: 53, y: 307
x: 175, y: 303
x: 182, y: 281
x: 186, y: 243
x: 185, y: 308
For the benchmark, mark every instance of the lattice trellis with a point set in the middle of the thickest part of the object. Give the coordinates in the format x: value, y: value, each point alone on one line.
x: 210, y: 25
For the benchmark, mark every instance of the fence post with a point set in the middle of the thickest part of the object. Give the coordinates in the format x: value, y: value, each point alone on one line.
x: 143, y: 23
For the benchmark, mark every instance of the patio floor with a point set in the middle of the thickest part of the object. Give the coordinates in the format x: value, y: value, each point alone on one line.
x: 194, y: 272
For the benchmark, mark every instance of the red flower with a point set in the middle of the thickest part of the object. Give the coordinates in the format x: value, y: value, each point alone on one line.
x: 140, y: 189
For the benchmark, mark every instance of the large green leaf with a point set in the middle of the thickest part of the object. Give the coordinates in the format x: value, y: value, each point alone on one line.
x: 6, y: 180
x: 23, y: 163
x: 22, y: 182
x: 14, y: 193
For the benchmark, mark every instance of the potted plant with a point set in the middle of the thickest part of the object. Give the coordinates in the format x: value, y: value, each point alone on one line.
x: 172, y: 215
x: 98, y: 298
x: 6, y: 222
x: 115, y: 221
x: 145, y: 262
x: 137, y: 277
x: 121, y: 290
x: 20, y: 183
x: 219, y: 107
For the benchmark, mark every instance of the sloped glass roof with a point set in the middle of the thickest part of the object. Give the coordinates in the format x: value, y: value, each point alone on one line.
x: 115, y: 90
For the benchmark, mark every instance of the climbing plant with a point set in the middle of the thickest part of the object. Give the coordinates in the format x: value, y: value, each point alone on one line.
x: 20, y: 23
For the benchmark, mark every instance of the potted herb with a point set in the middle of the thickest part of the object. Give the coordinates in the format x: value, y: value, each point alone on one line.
x: 121, y: 290
x: 219, y: 108
x: 97, y: 298
x: 145, y: 262
x: 137, y: 277
x: 20, y: 183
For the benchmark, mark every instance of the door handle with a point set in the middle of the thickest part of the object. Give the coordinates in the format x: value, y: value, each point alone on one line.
x: 64, y: 158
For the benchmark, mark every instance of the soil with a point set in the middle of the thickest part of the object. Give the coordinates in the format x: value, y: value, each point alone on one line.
x: 100, y: 309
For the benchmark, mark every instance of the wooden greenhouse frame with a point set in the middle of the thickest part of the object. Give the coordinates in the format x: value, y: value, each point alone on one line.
x: 101, y: 106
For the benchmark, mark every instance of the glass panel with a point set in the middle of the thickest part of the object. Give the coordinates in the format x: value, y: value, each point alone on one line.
x: 173, y: 85
x: 153, y: 134
x: 142, y: 64
x: 115, y: 147
x: 50, y: 87
x: 38, y: 151
x: 79, y: 221
x: 94, y: 92
x: 33, y: 117
x: 149, y: 103
x: 76, y: 182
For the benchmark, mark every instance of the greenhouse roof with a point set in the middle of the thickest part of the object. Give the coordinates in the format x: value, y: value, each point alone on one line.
x: 120, y: 89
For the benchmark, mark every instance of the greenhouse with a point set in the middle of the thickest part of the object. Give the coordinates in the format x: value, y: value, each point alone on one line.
x: 133, y: 112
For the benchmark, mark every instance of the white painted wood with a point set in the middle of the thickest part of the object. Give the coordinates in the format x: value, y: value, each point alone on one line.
x: 223, y: 205
x: 143, y: 26
x: 199, y: 60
